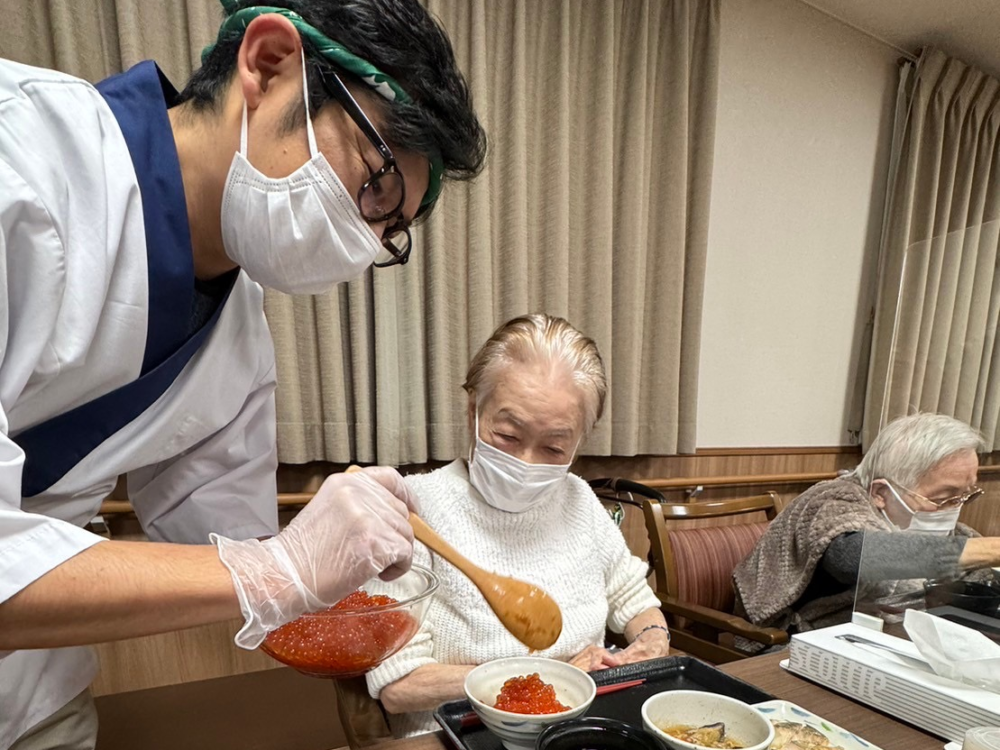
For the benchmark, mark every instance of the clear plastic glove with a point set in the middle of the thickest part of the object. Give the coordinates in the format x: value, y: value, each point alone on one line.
x: 356, y: 527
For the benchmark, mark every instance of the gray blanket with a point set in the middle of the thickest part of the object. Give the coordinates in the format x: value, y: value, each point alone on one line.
x: 775, y: 575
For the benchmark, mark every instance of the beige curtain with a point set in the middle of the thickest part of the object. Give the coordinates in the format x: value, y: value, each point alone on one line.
x: 935, y: 346
x: 94, y: 39
x: 594, y: 206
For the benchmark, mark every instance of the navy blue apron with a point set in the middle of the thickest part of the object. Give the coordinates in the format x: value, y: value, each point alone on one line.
x: 139, y: 99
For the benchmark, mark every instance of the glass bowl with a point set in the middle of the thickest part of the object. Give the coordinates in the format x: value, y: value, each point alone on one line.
x: 348, y: 642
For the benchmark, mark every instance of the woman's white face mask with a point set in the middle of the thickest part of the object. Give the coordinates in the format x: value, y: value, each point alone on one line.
x: 509, y: 484
x: 300, y: 234
x: 937, y: 522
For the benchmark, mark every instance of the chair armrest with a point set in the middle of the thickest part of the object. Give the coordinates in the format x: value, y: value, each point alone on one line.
x: 722, y: 621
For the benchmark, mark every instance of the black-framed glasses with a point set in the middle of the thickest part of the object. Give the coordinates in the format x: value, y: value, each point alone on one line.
x: 382, y: 196
x: 970, y: 495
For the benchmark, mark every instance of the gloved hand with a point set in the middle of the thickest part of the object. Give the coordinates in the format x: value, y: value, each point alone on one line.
x: 356, y: 527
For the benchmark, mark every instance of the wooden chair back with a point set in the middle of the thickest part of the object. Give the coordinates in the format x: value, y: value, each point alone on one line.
x: 674, y: 548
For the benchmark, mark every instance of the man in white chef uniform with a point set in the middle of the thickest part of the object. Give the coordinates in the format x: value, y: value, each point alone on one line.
x: 137, y: 227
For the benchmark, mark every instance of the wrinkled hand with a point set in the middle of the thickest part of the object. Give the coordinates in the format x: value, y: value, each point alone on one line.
x: 652, y: 644
x: 356, y: 527
x: 593, y: 658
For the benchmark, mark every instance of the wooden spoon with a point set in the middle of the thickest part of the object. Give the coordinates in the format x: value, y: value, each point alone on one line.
x: 528, y: 613
x: 531, y: 615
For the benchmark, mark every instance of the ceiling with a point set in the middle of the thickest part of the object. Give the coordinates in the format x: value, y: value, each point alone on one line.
x: 967, y: 29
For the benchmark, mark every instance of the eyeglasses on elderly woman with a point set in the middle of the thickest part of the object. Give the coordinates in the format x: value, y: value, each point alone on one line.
x: 954, y: 501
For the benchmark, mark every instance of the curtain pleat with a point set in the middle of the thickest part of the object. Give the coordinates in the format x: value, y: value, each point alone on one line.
x: 934, y: 347
x: 593, y: 206
x: 94, y: 39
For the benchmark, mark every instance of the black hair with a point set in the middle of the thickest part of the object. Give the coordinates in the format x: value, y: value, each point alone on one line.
x: 400, y: 38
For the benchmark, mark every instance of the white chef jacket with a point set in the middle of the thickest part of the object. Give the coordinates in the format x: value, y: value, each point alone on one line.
x: 96, y: 282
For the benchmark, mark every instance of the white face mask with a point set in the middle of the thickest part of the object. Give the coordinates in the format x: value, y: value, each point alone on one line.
x: 508, y: 483
x: 299, y: 234
x: 938, y: 522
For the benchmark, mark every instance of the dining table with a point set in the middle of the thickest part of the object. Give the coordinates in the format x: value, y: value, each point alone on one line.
x: 766, y: 673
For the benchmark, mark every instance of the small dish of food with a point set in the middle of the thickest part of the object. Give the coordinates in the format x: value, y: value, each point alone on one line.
x: 795, y: 728
x: 517, y: 698
x: 695, y: 720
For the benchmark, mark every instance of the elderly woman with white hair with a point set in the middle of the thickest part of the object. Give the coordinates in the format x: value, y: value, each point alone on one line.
x: 536, y: 388
x: 916, y: 477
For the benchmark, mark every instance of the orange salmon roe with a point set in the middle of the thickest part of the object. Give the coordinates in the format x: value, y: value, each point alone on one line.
x: 528, y: 695
x: 361, y: 599
x: 344, y: 646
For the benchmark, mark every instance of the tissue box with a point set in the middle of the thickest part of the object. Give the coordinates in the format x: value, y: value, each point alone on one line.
x: 879, y: 679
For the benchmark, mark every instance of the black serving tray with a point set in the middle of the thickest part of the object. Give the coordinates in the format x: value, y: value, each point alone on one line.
x: 669, y: 673
x: 988, y: 626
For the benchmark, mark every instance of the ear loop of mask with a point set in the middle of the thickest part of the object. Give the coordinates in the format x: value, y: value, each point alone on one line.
x: 475, y: 438
x: 898, y: 500
x: 243, y: 131
x: 305, y: 96
x: 310, y: 133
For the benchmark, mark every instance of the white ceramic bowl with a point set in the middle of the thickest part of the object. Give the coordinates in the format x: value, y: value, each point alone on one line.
x: 574, y: 688
x: 744, y: 723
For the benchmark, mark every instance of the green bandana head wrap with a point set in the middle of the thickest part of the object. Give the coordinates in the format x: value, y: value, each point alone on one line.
x: 238, y: 19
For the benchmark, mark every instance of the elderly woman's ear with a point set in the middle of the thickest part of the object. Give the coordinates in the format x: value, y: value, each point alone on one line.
x: 879, y: 493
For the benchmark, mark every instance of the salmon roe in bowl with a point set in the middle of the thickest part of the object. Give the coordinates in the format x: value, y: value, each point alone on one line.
x: 359, y: 632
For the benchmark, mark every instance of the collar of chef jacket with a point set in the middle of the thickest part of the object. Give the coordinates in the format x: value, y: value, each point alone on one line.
x: 138, y: 99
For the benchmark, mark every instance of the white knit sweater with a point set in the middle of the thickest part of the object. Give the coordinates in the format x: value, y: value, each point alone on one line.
x: 568, y: 545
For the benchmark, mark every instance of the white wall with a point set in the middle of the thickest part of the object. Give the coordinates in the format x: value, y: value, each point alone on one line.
x: 802, y: 141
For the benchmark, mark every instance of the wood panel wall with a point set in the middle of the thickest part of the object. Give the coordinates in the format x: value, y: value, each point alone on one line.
x: 203, y: 653
x: 984, y: 514
x: 713, y: 462
x: 277, y: 708
x: 157, y: 661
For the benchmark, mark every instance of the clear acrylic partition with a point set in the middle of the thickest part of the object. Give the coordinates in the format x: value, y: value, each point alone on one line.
x: 935, y: 334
